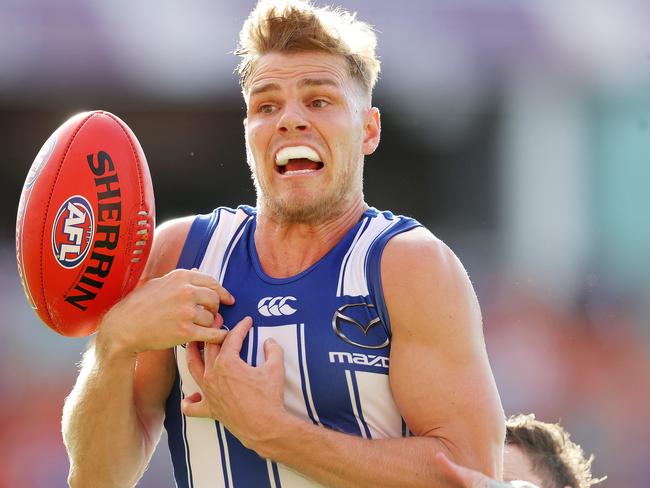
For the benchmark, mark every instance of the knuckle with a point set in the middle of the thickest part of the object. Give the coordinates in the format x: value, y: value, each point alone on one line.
x: 176, y: 273
x: 186, y: 291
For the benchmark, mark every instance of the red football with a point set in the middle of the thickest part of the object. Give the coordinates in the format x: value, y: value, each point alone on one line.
x: 85, y: 222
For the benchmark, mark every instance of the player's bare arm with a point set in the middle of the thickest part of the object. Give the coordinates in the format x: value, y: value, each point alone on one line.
x: 113, y: 418
x: 440, y: 376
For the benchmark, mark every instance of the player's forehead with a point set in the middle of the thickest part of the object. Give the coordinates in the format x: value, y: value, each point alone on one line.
x: 304, y: 69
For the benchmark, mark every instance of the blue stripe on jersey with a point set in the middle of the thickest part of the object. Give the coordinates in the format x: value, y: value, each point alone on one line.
x: 222, y: 452
x: 175, y: 426
x: 246, y: 467
x: 276, y: 475
x: 373, y: 266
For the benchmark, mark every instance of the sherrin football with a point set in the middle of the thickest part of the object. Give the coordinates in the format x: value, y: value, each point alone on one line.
x: 85, y: 222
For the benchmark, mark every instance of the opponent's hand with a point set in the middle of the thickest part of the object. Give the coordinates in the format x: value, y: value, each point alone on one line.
x: 177, y: 308
x: 462, y: 477
x: 247, y: 400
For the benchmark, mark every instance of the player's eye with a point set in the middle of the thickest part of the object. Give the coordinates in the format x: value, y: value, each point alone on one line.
x: 266, y: 108
x: 319, y: 103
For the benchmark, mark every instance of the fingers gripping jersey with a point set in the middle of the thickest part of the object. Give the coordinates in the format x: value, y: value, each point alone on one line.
x: 331, y: 321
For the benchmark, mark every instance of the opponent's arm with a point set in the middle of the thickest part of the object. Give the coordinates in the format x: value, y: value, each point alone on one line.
x: 439, y: 373
x: 112, y: 419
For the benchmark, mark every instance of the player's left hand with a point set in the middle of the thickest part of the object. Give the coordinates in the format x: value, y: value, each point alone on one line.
x: 247, y: 400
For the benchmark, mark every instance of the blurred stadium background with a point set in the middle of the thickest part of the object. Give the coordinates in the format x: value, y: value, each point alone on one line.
x: 519, y: 132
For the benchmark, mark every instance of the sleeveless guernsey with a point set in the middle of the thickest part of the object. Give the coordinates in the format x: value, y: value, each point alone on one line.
x: 331, y: 321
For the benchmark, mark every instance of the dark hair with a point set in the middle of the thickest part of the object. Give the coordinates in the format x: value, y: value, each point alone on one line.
x: 557, y: 460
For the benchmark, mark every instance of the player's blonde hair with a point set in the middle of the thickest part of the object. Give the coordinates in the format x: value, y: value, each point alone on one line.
x: 288, y: 26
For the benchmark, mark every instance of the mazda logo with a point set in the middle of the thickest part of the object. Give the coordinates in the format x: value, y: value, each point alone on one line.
x: 340, y: 317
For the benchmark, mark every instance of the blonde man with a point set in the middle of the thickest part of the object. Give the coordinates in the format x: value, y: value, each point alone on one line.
x: 352, y: 349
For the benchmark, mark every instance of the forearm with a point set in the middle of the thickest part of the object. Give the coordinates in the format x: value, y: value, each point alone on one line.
x: 341, y: 460
x: 106, y: 442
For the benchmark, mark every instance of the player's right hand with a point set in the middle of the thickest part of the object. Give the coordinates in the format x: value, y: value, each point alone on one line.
x: 179, y: 307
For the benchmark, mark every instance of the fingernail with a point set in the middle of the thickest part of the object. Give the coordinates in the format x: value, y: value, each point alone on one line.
x: 271, y: 340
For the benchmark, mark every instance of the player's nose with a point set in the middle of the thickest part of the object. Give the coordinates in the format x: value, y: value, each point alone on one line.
x: 293, y: 119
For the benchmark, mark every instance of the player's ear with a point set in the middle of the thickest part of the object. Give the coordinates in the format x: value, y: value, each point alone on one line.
x: 371, y: 130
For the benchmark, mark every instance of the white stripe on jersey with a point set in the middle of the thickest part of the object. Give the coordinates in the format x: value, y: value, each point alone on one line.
x: 293, y: 479
x: 214, y: 258
x: 287, y: 337
x: 377, y: 405
x: 362, y: 227
x: 352, y: 280
x: 353, y: 401
x: 224, y: 265
x: 200, y: 435
x: 269, y: 468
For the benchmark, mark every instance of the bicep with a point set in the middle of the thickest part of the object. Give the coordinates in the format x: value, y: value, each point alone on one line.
x: 440, y: 375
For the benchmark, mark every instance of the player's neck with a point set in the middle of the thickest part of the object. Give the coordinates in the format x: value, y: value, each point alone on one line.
x: 288, y: 248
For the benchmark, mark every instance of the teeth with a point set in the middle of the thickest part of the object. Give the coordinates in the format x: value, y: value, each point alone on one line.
x: 295, y: 152
x: 299, y: 172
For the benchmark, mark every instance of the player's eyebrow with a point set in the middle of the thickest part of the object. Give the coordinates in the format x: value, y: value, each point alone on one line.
x: 305, y: 82
x: 264, y: 88
x: 317, y: 82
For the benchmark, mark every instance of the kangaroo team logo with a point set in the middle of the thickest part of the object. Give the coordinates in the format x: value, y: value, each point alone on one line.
x: 73, y: 231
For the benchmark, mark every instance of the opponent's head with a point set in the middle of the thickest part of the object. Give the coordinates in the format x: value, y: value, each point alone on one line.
x: 307, y: 76
x: 543, y: 454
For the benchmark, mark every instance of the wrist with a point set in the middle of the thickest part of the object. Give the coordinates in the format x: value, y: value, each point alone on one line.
x: 112, y: 347
x: 277, y: 440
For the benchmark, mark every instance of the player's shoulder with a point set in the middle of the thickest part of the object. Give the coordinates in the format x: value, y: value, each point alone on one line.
x: 168, y: 242
x: 422, y: 278
x: 419, y: 249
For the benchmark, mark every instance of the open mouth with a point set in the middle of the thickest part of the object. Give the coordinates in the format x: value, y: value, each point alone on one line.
x: 297, y: 160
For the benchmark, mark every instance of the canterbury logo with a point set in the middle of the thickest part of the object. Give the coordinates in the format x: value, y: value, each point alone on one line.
x: 276, y: 306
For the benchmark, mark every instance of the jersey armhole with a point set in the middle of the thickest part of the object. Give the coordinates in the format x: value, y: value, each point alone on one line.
x: 373, y: 268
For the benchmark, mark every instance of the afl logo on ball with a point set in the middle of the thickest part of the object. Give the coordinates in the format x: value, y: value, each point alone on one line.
x: 73, y: 231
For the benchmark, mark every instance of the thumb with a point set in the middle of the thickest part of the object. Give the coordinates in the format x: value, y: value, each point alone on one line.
x: 461, y: 476
x: 194, y: 406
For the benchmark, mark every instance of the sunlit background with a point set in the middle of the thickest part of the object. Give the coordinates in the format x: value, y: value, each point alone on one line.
x: 517, y: 131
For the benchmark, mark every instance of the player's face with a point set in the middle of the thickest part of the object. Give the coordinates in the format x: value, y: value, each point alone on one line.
x: 308, y: 128
x: 517, y: 466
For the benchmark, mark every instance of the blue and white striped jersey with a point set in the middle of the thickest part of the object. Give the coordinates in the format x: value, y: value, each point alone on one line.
x: 332, y: 323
